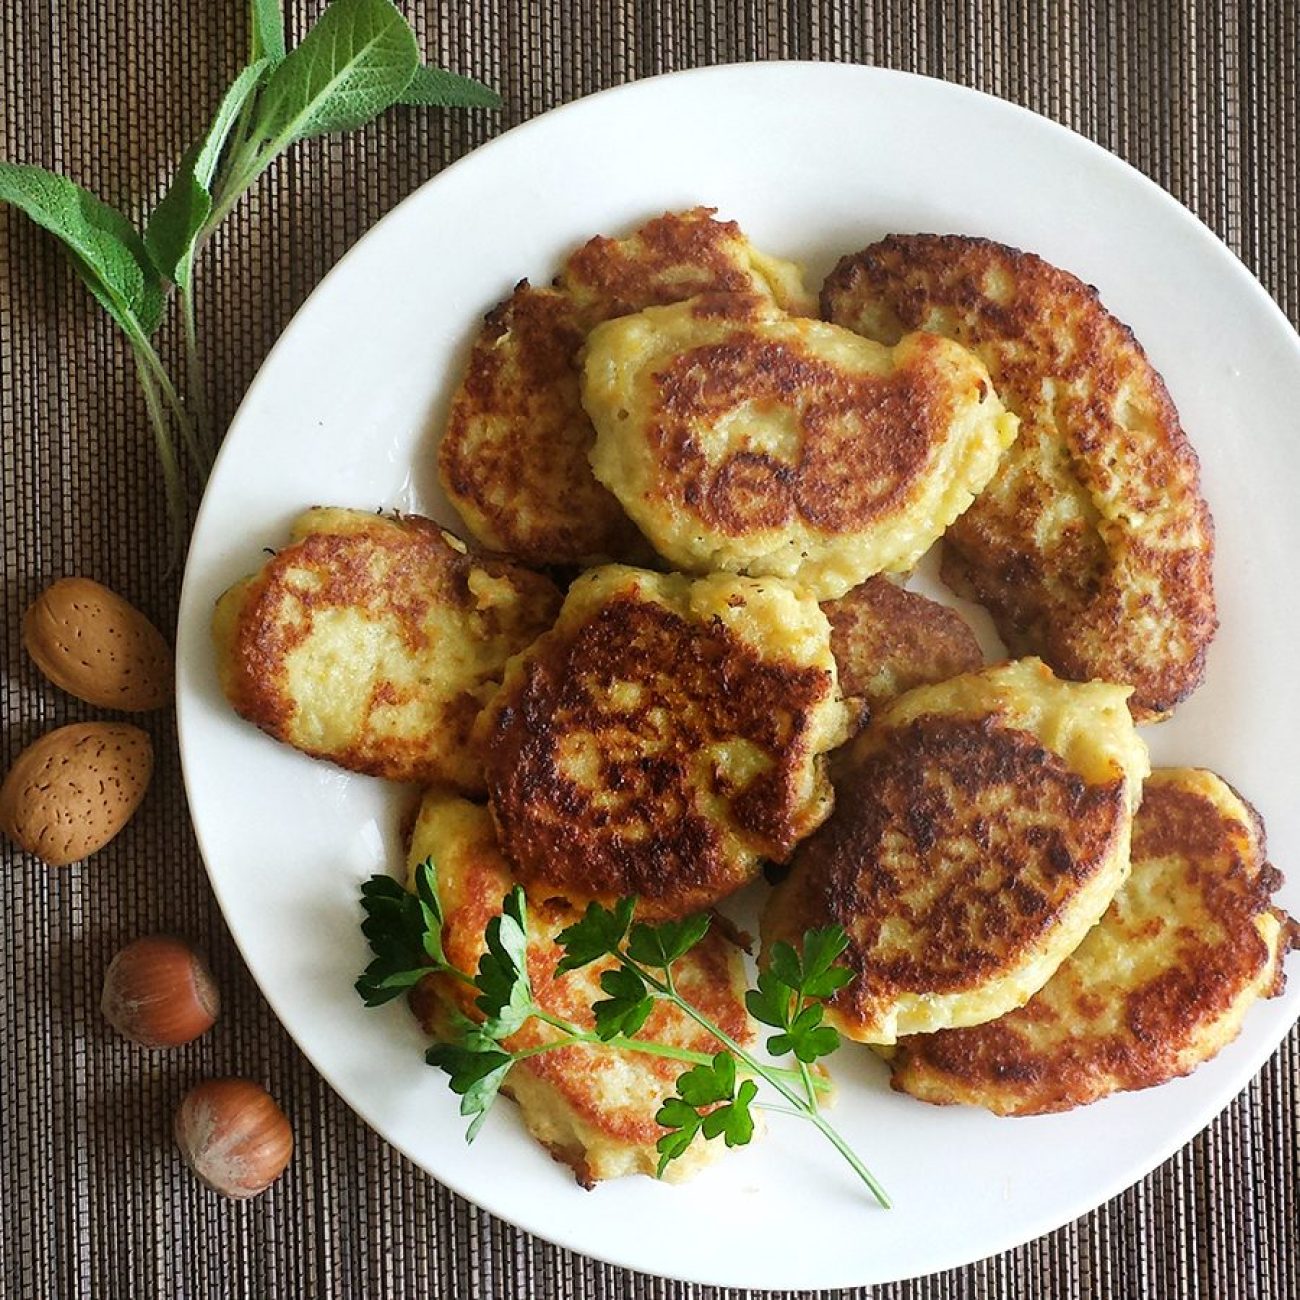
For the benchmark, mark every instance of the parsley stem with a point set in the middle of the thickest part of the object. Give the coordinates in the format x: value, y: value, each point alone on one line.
x: 840, y: 1145
x: 804, y: 1073
x: 803, y: 1108
x: 647, y: 1046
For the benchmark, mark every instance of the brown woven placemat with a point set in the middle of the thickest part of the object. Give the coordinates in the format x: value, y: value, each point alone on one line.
x: 1202, y: 96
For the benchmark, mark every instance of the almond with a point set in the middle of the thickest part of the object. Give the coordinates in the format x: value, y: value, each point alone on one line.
x: 98, y: 647
x: 72, y: 790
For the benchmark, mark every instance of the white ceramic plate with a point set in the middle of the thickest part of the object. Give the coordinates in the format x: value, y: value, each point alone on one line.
x: 814, y: 160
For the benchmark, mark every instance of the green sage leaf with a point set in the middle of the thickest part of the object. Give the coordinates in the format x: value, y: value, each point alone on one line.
x: 104, y: 246
x: 350, y: 67
x: 267, y: 31
x: 437, y: 88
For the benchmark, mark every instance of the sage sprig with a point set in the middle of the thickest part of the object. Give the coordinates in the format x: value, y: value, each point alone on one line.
x: 359, y: 59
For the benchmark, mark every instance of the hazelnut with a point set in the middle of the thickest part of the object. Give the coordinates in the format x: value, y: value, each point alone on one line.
x: 159, y: 993
x: 234, y: 1136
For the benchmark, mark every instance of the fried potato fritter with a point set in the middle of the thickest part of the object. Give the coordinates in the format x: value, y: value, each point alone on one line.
x: 513, y: 458
x: 980, y: 829
x: 1161, y: 984
x: 374, y: 642
x: 675, y: 257
x: 887, y: 640
x: 1092, y: 546
x: 593, y: 1108
x: 744, y: 439
x: 663, y: 738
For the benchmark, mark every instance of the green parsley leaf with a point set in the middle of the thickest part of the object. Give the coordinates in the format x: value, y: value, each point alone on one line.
x: 683, y: 1123
x: 438, y: 88
x: 806, y: 1036
x: 790, y: 979
x: 350, y: 67
x: 395, y: 927
x: 599, y: 933
x: 702, y: 1085
x: 426, y: 891
x: 707, y: 1101
x: 770, y: 1002
x: 820, y: 976
x: 627, y: 1007
x: 476, y: 1074
x: 734, y: 1121
x: 661, y: 945
x: 506, y: 995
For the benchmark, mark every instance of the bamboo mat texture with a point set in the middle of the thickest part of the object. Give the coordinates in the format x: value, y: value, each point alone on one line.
x: 1200, y: 95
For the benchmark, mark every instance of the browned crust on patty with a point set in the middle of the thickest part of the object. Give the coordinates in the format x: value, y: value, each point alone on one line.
x: 662, y: 825
x: 1165, y: 1023
x: 398, y: 569
x: 514, y: 455
x: 887, y: 639
x: 669, y: 259
x: 513, y: 458
x: 1119, y: 587
x: 952, y: 852
x: 865, y: 439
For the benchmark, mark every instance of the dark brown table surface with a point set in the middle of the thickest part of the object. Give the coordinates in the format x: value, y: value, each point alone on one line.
x: 1200, y: 95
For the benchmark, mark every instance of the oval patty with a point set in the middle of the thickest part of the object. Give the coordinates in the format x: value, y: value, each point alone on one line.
x: 1092, y: 546
x: 981, y: 826
x: 664, y: 738
x: 744, y: 439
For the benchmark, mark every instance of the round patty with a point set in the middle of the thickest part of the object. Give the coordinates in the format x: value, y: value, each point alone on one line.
x: 744, y: 439
x: 663, y: 738
x: 374, y: 641
x: 1161, y: 984
x: 1092, y: 546
x: 980, y: 828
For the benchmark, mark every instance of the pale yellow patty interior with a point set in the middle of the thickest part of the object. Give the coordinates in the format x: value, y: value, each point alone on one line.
x: 353, y: 656
x: 622, y: 361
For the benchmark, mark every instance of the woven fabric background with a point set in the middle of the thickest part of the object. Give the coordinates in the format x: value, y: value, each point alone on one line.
x: 1201, y: 95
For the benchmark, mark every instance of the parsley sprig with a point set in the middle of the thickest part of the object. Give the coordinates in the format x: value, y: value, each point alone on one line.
x: 715, y: 1098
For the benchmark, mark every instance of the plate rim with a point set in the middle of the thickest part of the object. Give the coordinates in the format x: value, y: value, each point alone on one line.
x: 187, y: 632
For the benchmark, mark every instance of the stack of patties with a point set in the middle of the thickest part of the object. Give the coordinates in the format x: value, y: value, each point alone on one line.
x: 670, y: 402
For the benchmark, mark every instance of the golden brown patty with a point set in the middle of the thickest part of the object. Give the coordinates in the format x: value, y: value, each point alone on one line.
x: 745, y: 439
x: 673, y: 257
x: 1161, y: 984
x: 663, y: 738
x: 1092, y: 546
x: 980, y: 829
x: 886, y: 640
x: 593, y: 1108
x: 374, y: 642
x: 513, y: 458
